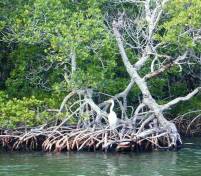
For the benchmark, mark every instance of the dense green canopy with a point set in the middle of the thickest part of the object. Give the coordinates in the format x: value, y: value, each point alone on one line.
x: 40, y: 39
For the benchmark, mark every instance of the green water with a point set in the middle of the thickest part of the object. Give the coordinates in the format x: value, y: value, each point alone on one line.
x: 186, y: 162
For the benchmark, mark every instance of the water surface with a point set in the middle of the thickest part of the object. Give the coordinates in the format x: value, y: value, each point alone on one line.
x: 186, y: 162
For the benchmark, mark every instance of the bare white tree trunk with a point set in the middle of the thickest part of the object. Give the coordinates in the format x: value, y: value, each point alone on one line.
x: 147, y: 122
x: 73, y: 61
x: 146, y: 49
x: 148, y: 100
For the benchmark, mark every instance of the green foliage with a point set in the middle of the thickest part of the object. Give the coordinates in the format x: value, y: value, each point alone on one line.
x: 26, y: 111
x: 45, y: 32
x: 182, y: 16
x: 23, y: 111
x: 37, y: 38
x: 184, y: 107
x: 62, y: 26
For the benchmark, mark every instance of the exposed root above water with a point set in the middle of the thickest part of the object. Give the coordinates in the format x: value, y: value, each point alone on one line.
x: 139, y: 130
x: 90, y: 139
x: 189, y: 124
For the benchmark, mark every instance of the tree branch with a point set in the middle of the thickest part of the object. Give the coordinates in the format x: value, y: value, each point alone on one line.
x: 125, y: 92
x: 126, y: 62
x: 179, y: 99
x: 73, y: 61
x: 158, y: 72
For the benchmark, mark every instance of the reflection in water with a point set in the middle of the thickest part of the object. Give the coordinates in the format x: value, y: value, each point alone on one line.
x: 183, y: 163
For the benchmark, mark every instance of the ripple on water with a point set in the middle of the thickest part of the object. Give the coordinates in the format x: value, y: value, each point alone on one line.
x: 183, y: 163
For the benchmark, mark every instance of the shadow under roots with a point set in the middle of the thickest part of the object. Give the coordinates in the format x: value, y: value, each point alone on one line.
x: 90, y: 139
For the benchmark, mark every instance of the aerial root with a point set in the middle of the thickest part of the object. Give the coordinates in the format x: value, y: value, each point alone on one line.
x: 141, y: 132
x: 89, y: 139
x: 189, y: 124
